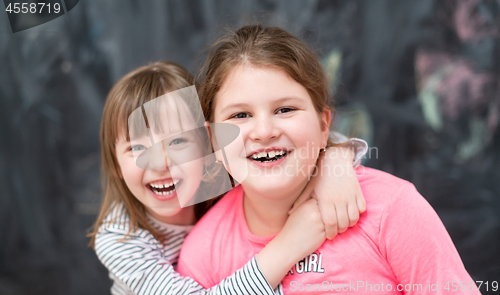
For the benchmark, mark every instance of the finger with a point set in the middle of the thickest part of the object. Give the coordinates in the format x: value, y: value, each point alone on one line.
x: 311, y: 202
x: 329, y: 217
x: 342, y: 218
x: 353, y: 212
x: 301, y: 199
x: 360, y: 199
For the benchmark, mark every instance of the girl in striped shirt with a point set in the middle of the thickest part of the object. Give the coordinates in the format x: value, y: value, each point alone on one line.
x: 143, y: 221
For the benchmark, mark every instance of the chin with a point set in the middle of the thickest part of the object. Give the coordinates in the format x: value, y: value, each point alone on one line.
x: 268, y: 187
x: 167, y: 211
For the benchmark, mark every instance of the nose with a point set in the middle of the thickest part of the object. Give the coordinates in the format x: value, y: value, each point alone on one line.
x: 264, y: 129
x: 154, y: 158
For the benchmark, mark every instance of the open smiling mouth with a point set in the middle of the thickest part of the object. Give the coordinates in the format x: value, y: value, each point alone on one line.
x: 164, y: 189
x: 266, y: 157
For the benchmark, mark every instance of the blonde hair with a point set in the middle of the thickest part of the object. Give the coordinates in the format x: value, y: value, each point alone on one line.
x: 263, y: 46
x: 129, y: 93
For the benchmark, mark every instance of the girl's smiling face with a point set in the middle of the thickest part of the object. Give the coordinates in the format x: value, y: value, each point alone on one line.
x: 282, y: 131
x: 159, y: 175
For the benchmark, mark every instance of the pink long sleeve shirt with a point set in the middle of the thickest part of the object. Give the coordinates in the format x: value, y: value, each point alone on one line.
x: 399, y: 246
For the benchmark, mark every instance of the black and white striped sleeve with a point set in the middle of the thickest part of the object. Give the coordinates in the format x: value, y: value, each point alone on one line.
x: 247, y: 280
x: 138, y: 262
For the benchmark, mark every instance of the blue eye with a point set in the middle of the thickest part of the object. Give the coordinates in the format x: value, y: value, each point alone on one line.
x: 177, y: 141
x: 137, y: 148
x: 240, y: 116
x: 284, y: 110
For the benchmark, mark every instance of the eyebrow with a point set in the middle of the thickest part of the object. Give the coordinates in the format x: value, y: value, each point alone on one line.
x: 280, y: 100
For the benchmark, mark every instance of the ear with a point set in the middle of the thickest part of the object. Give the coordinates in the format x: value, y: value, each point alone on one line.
x: 325, y: 120
x: 209, y: 131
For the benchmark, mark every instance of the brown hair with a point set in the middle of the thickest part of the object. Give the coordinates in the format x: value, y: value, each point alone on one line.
x: 129, y: 93
x: 269, y: 47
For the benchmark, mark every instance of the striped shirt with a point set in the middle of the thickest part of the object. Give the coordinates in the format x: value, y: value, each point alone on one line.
x: 140, y: 264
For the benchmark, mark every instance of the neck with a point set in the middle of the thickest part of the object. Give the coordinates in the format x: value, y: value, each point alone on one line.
x: 267, y: 214
x: 185, y: 216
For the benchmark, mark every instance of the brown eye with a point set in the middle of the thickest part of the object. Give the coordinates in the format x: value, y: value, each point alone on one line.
x: 284, y: 110
x: 240, y: 116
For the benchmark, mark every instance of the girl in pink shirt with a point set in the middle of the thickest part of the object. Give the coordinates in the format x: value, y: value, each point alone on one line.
x: 272, y: 86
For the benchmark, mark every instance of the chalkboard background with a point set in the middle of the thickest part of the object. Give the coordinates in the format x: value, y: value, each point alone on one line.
x: 420, y: 80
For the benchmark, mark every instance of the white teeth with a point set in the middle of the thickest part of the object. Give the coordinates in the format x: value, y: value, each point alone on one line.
x: 164, y: 193
x: 258, y: 155
x: 167, y: 185
x: 270, y: 154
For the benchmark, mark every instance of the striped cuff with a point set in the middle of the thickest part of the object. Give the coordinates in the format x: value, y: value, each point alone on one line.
x: 359, y: 146
x: 252, y: 270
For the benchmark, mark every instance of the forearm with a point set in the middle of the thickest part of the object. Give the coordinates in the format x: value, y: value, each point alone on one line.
x: 336, y: 187
x: 274, y: 262
x: 334, y: 159
x: 249, y: 279
x: 302, y: 234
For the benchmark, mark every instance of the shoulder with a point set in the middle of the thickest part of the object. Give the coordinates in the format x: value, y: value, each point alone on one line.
x: 115, y: 230
x: 388, y: 198
x: 382, y: 189
x: 393, y: 196
x: 394, y: 206
x: 374, y: 180
x: 117, y: 220
x: 117, y: 246
x: 117, y: 216
x: 407, y: 230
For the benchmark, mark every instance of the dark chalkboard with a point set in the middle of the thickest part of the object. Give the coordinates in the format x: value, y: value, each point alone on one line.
x: 420, y: 80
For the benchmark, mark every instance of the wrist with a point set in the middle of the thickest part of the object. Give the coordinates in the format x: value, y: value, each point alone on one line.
x: 274, y: 261
x: 284, y: 252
